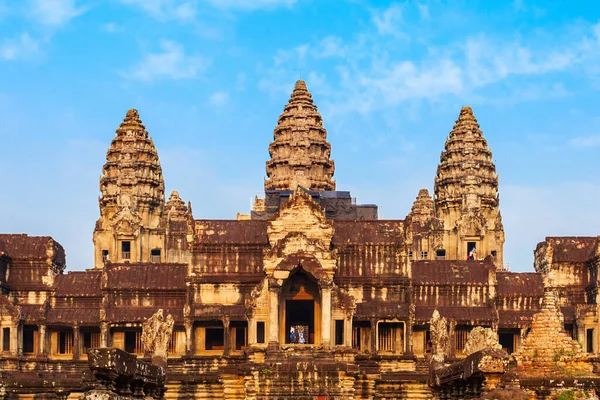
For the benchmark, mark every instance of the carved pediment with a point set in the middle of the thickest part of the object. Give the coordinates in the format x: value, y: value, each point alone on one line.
x: 300, y: 214
x: 126, y: 221
x: 299, y: 233
x: 472, y: 224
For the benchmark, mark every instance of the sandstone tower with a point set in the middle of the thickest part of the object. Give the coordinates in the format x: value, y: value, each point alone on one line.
x: 466, y: 194
x: 132, y: 198
x: 300, y: 151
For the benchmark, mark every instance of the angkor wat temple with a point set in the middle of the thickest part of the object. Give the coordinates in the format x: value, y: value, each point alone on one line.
x: 310, y: 295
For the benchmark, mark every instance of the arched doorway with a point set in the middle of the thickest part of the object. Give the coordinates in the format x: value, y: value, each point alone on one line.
x: 300, y: 309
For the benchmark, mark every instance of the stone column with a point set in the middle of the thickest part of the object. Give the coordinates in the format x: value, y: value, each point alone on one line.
x: 76, y: 354
x: 273, y: 315
x: 373, y: 335
x: 226, y: 337
x: 326, y: 316
x: 251, y: 331
x: 16, y: 342
x: 104, y: 334
x: 189, y: 340
x: 452, y: 338
x: 42, y: 340
x: 348, y: 331
x: 408, y: 337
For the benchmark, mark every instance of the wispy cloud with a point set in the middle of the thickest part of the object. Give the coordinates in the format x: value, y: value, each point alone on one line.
x: 183, y: 10
x: 19, y: 48
x: 111, y: 27
x: 585, y: 141
x: 171, y: 62
x: 249, y: 5
x: 219, y: 99
x: 372, y: 76
x: 55, y: 12
x: 389, y: 21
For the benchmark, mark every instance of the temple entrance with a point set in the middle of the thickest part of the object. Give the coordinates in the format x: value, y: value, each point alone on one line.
x: 300, y: 316
x: 300, y: 309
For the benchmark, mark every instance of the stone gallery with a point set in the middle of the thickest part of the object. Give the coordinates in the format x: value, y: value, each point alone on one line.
x: 310, y: 295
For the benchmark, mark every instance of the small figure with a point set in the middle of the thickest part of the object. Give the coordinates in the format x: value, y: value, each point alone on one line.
x: 292, y: 335
x: 301, y: 338
x: 472, y: 254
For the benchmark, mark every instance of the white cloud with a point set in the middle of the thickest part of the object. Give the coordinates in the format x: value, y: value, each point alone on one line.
x: 424, y: 11
x: 489, y: 61
x: 111, y: 27
x: 219, y: 99
x: 167, y: 9
x: 170, y: 63
x: 19, y: 48
x: 249, y: 5
x: 585, y: 141
x: 55, y: 12
x: 389, y: 21
x: 332, y: 46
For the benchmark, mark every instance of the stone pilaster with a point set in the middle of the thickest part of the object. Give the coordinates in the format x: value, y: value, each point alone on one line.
x: 326, y: 316
x: 43, y: 339
x: 273, y: 314
x: 76, y: 342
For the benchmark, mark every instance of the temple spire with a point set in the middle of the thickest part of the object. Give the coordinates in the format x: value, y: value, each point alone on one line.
x: 300, y: 151
x: 132, y: 193
x: 466, y: 193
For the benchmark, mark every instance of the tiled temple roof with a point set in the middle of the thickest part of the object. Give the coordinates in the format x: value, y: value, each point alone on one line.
x: 368, y: 232
x: 520, y: 284
x: 22, y: 246
x: 147, y: 276
x: 451, y: 272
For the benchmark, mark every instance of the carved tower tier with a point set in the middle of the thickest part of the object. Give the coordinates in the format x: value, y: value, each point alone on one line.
x: 300, y: 151
x: 132, y: 197
x: 466, y: 194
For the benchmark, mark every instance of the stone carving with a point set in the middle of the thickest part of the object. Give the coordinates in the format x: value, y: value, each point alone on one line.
x: 300, y: 152
x: 156, y: 335
x: 439, y: 338
x: 300, y: 228
x: 481, y: 338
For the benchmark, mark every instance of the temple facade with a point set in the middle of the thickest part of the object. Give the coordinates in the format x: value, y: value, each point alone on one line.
x: 309, y: 295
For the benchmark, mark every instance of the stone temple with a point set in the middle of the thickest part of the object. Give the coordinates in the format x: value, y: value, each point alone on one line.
x: 310, y: 295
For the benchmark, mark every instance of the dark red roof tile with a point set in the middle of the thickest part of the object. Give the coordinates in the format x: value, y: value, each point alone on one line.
x: 367, y: 232
x: 148, y: 276
x: 451, y: 272
x: 231, y: 232
x: 515, y: 284
x: 79, y: 284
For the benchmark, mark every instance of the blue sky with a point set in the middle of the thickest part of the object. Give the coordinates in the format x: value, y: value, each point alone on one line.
x: 210, y: 78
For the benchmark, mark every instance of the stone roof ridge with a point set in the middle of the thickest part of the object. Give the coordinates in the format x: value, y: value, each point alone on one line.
x: 300, y: 153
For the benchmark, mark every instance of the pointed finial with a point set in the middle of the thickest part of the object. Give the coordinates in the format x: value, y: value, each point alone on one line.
x: 300, y: 85
x: 132, y: 122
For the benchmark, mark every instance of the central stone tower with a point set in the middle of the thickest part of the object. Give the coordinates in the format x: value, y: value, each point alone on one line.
x: 466, y: 194
x: 300, y: 151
